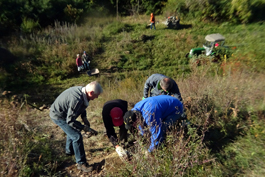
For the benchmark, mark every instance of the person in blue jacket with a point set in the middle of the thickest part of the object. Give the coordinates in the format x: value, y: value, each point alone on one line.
x: 156, y: 114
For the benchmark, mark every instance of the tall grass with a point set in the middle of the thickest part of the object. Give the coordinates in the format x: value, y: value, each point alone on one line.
x: 225, y: 101
x: 124, y: 45
x: 26, y: 148
x: 227, y: 110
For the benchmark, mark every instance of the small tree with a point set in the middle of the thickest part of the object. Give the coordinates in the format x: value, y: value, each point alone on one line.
x: 242, y: 10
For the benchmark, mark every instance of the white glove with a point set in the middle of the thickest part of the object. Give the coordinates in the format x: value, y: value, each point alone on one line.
x: 121, y: 152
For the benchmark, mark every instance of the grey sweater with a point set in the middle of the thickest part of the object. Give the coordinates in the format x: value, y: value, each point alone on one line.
x: 69, y: 105
x: 152, y: 84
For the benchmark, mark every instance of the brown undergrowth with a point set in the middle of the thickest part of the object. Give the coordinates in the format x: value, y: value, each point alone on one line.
x: 220, y: 108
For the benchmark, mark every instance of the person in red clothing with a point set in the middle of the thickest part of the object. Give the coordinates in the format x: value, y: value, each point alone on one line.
x: 216, y: 45
x: 152, y: 20
x: 79, y: 63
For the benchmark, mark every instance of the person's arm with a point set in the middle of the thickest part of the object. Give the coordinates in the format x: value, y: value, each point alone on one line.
x: 74, y: 105
x: 109, y: 127
x: 147, y: 86
x: 84, y: 118
x: 176, y: 93
x: 178, y: 96
x: 154, y: 128
x: 123, y: 133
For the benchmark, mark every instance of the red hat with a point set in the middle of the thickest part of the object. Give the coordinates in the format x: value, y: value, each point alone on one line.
x: 117, y: 116
x: 216, y: 45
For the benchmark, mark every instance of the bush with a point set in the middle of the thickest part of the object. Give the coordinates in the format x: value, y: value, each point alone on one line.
x: 241, y: 11
x: 29, y: 25
x: 117, y: 27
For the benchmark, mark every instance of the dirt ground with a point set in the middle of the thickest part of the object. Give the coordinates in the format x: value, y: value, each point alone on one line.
x: 99, y: 151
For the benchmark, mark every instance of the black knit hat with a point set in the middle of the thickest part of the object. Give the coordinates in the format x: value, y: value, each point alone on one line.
x: 129, y: 118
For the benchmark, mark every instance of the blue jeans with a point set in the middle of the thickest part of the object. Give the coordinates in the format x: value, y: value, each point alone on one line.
x: 152, y: 25
x: 74, y: 141
x: 166, y: 124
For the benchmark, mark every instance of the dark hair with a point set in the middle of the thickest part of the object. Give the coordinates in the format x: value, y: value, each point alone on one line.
x: 129, y: 119
x: 166, y: 83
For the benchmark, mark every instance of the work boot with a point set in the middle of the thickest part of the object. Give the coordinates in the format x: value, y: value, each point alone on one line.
x: 84, y: 167
x: 69, y: 154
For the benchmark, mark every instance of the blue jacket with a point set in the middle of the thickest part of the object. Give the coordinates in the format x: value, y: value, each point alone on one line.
x: 154, y: 110
x: 153, y: 84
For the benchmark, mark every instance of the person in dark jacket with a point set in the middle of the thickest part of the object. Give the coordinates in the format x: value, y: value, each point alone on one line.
x: 159, y: 84
x: 66, y: 109
x: 85, y: 60
x: 112, y: 114
x: 154, y: 116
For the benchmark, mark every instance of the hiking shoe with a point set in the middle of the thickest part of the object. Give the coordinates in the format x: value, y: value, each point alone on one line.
x: 69, y: 154
x: 84, y: 167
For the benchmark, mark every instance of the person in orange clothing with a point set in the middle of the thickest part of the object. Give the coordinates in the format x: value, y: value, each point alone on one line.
x: 152, y: 20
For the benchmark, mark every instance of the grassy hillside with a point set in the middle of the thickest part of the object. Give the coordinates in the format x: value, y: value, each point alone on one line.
x: 49, y: 56
x: 226, y: 100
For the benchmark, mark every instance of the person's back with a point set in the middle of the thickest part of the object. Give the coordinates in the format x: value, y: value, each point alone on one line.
x: 158, y: 113
x: 85, y: 57
x: 79, y: 61
x: 113, y: 108
x: 153, y: 84
x: 161, y: 106
x: 152, y: 20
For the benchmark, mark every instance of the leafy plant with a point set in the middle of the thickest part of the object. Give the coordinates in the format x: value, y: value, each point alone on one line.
x: 29, y: 25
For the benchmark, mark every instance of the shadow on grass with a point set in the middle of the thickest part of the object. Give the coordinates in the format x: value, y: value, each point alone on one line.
x: 96, y: 150
x: 219, y: 128
x: 144, y: 38
x: 180, y: 27
x: 216, y: 138
x: 99, y: 166
x: 6, y: 58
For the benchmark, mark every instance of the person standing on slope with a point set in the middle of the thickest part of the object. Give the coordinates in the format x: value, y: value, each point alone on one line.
x: 66, y: 109
x: 152, y: 20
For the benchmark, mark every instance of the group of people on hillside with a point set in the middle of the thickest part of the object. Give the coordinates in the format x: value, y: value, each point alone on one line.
x: 82, y: 63
x: 160, y: 108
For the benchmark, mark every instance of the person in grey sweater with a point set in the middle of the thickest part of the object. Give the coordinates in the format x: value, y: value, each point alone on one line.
x: 159, y: 84
x: 66, y: 109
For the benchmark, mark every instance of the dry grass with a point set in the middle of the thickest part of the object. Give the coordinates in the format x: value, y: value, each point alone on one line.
x: 222, y: 98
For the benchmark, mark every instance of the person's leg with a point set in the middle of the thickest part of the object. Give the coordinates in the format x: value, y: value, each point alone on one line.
x: 69, y: 146
x: 167, y: 123
x: 76, y: 140
x: 123, y: 135
x: 151, y: 25
x: 87, y: 65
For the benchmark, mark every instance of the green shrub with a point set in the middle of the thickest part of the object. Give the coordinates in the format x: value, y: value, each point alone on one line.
x: 28, y: 25
x: 241, y: 9
x: 117, y: 27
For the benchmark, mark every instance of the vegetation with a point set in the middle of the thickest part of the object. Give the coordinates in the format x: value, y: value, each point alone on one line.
x: 36, y: 14
x: 224, y: 100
